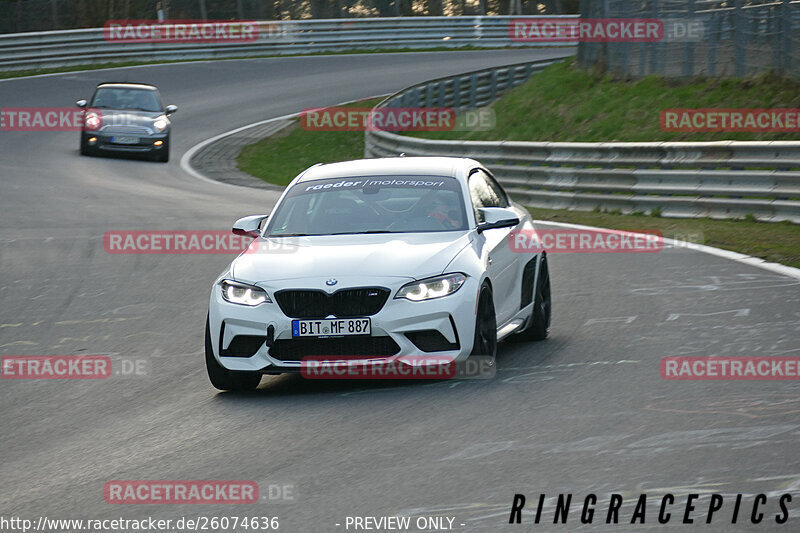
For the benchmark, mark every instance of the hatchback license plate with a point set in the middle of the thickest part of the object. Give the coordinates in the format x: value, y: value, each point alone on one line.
x: 125, y: 140
x: 331, y: 327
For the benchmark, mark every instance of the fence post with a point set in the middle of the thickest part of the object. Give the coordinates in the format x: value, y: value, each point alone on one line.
x: 775, y: 28
x: 713, y: 38
x: 739, y: 48
x: 54, y: 13
x: 688, y: 51
x: 787, y: 23
x: 655, y: 50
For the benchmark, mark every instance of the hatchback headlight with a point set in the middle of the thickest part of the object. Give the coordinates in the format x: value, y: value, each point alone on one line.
x: 430, y: 288
x: 160, y: 123
x: 93, y: 121
x: 243, y: 294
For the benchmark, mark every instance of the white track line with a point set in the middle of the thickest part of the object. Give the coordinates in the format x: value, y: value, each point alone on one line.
x: 194, y: 149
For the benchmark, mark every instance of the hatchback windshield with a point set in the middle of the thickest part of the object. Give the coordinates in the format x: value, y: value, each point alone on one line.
x: 395, y: 204
x: 119, y: 98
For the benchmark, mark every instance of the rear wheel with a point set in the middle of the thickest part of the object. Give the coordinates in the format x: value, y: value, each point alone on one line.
x: 224, y: 379
x: 485, y: 342
x: 542, y: 306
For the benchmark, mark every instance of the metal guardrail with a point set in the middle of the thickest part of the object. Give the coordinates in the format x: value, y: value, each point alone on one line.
x: 78, y: 47
x: 728, y: 179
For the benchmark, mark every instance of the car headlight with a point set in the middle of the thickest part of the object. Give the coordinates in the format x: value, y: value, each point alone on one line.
x: 243, y: 294
x: 430, y: 288
x: 160, y: 123
x: 93, y: 121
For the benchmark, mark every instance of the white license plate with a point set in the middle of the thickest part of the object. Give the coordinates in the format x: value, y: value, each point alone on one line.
x: 331, y: 327
x: 125, y: 140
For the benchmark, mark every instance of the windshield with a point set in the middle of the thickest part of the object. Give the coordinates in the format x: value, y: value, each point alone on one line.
x: 119, y: 98
x: 382, y: 204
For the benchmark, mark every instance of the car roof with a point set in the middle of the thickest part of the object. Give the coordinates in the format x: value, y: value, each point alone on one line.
x: 455, y: 167
x: 126, y: 85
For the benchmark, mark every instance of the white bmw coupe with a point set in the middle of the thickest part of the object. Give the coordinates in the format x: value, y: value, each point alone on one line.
x: 376, y: 259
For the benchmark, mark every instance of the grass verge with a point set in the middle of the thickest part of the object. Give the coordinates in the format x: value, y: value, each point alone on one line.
x: 563, y: 103
x: 278, y: 159
x: 777, y: 242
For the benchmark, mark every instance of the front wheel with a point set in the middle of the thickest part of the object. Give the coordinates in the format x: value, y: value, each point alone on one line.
x: 539, y: 325
x: 485, y: 342
x: 224, y: 379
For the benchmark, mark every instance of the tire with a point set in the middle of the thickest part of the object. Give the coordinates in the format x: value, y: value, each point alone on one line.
x: 224, y: 379
x: 539, y: 325
x: 485, y: 340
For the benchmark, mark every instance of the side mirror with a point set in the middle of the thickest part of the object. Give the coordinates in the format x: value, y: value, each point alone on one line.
x: 249, y: 226
x: 81, y: 103
x: 497, y: 217
x: 170, y: 109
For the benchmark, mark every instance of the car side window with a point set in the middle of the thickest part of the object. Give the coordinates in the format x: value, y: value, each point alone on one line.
x: 482, y: 193
x: 498, y: 190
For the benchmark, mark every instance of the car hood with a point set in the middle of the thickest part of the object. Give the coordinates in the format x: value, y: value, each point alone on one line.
x: 128, y: 117
x: 408, y: 255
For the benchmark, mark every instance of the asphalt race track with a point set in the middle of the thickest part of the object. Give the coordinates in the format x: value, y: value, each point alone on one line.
x: 585, y: 411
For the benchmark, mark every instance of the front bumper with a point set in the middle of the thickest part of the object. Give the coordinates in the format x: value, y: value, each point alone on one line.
x: 145, y: 142
x: 453, y: 317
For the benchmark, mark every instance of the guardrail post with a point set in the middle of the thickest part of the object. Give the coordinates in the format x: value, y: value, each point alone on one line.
x: 739, y: 48
x: 493, y: 85
x: 429, y: 95
x: 457, y: 92
x: 473, y: 89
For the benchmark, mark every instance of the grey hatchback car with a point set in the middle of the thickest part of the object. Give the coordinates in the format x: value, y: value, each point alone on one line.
x: 126, y: 118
